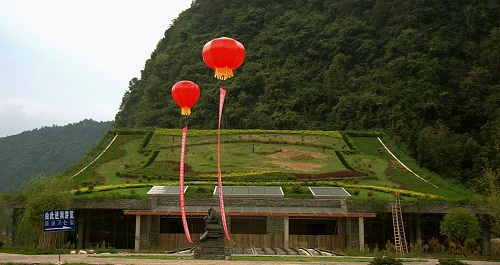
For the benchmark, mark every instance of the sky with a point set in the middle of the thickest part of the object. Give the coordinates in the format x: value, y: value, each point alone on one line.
x: 64, y: 61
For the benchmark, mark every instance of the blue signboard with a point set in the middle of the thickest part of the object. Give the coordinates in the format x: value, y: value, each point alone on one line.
x: 58, y: 220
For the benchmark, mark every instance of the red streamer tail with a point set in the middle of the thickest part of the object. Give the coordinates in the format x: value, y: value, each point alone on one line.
x: 181, y: 186
x: 219, y: 175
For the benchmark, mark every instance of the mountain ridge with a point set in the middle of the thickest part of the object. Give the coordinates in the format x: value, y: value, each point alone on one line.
x: 46, y: 151
x: 424, y: 72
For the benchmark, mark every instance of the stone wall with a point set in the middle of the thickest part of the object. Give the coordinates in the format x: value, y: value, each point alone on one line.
x: 350, y: 228
x: 434, y: 207
x: 119, y: 204
x: 150, y: 230
x: 254, y: 202
x: 358, y: 207
x: 275, y: 225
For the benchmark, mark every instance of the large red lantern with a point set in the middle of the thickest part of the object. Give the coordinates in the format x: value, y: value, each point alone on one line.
x: 223, y: 55
x: 185, y: 94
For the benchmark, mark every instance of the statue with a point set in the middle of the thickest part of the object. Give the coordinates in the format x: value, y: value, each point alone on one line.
x: 212, y: 244
x: 213, y: 226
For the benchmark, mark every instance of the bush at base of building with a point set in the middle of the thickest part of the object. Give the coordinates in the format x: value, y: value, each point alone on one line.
x: 451, y: 262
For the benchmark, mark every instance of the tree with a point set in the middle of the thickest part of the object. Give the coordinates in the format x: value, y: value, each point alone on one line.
x: 494, y: 201
x: 492, y: 172
x: 441, y: 150
x: 5, y: 221
x: 460, y: 225
x: 44, y: 194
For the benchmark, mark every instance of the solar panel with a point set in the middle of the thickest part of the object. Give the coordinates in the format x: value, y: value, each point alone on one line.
x: 250, y: 192
x: 165, y: 191
x: 329, y: 193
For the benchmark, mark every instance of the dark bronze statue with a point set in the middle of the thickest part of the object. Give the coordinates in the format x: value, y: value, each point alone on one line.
x: 212, y: 245
x: 213, y: 226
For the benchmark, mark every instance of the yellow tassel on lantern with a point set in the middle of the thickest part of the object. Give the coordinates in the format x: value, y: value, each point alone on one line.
x: 185, y: 111
x: 223, y: 73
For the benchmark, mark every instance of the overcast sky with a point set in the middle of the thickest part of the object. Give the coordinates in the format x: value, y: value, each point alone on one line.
x: 64, y: 61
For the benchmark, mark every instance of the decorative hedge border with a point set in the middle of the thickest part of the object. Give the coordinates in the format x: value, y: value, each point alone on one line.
x: 262, y: 183
x: 146, y: 139
x: 348, y: 141
x: 176, y: 132
x: 151, y: 159
x: 364, y: 134
x: 128, y: 131
x: 343, y: 161
x: 408, y: 193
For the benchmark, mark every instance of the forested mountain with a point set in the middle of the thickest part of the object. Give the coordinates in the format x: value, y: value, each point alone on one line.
x: 46, y: 151
x: 425, y: 72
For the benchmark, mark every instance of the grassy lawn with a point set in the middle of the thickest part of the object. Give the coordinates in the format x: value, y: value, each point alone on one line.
x: 267, y: 157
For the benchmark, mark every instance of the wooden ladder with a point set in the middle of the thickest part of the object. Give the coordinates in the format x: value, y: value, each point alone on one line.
x: 399, y: 229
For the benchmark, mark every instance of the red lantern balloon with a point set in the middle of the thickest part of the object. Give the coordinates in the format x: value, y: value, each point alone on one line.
x: 185, y: 94
x: 224, y: 55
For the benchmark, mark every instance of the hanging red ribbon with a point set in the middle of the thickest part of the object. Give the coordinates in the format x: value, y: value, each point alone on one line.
x: 181, y: 186
x: 219, y: 175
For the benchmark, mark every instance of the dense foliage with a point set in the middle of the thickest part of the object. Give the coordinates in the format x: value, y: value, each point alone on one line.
x: 46, y: 151
x: 42, y: 194
x: 460, y: 225
x: 426, y: 72
x: 450, y: 261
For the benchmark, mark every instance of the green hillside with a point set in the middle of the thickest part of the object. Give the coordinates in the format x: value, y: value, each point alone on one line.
x: 46, y: 151
x: 130, y: 162
x: 424, y: 72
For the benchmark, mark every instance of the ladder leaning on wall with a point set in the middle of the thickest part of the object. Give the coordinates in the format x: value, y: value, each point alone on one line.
x: 399, y: 229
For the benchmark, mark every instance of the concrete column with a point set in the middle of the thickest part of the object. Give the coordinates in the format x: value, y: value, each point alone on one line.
x: 137, y: 233
x: 86, y: 232
x: 412, y: 228
x: 418, y: 224
x: 348, y: 229
x: 361, y: 233
x: 80, y: 234
x: 286, y: 231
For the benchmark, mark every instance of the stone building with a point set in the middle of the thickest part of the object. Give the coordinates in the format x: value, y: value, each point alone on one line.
x: 254, y: 220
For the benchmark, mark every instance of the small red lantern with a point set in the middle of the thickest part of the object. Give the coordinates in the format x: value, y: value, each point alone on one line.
x: 223, y: 55
x: 185, y: 94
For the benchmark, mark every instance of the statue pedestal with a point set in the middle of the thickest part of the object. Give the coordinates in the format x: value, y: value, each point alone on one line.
x: 211, y: 250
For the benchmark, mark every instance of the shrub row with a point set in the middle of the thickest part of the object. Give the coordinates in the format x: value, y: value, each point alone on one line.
x: 128, y: 131
x: 344, y: 161
x: 175, y: 132
x: 408, y: 193
x: 230, y: 180
x: 278, y: 142
x: 364, y: 134
x: 151, y: 158
x: 348, y: 141
x: 146, y: 139
x: 250, y: 176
